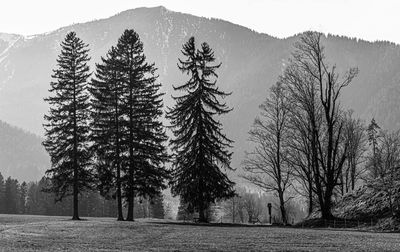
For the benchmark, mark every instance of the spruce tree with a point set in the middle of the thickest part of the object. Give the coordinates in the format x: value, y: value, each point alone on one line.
x: 200, y: 147
x: 23, y: 189
x: 66, y: 127
x: 107, y: 93
x: 11, y: 196
x: 157, y: 207
x: 143, y: 134
x: 2, y: 194
x: 373, y: 137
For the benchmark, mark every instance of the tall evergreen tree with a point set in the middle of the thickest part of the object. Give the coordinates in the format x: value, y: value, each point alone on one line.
x: 11, y: 196
x: 66, y: 127
x: 373, y: 136
x: 2, y: 194
x: 127, y: 130
x: 144, y: 134
x: 23, y: 190
x: 200, y: 147
x: 31, y: 200
x: 107, y: 92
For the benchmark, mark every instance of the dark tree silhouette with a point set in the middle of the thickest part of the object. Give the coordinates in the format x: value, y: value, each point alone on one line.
x: 23, y: 190
x: 2, y: 189
x: 354, y: 133
x: 199, y: 146
x: 315, y: 87
x: 373, y: 132
x: 300, y: 154
x: 66, y: 127
x: 11, y: 195
x: 107, y: 99
x: 144, y: 134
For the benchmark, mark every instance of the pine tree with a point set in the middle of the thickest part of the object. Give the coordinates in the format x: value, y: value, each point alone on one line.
x: 200, y: 147
x: 373, y: 136
x: 23, y: 189
x: 11, y: 196
x: 2, y: 194
x: 157, y: 207
x: 145, y: 136
x: 45, y: 201
x: 66, y: 129
x: 107, y: 91
x: 142, y: 136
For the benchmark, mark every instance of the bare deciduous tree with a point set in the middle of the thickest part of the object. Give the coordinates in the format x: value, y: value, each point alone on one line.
x: 252, y: 204
x: 266, y: 166
x: 300, y: 154
x: 387, y: 160
x: 316, y: 87
x: 355, y: 136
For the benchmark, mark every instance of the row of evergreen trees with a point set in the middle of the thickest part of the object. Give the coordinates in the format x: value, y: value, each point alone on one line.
x: 106, y: 132
x: 29, y: 198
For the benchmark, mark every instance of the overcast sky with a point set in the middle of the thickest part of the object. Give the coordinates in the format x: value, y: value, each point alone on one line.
x: 366, y: 19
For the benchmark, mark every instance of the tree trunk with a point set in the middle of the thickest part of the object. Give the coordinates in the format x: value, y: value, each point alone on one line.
x: 233, y: 210
x: 130, y: 216
x: 131, y: 165
x: 391, y: 203
x: 326, y: 207
x: 119, y: 195
x: 282, y: 208
x: 241, y: 216
x: 202, y: 216
x: 318, y: 183
x: 353, y: 175
x: 120, y: 216
x: 75, y: 215
x: 342, y: 183
x: 310, y: 198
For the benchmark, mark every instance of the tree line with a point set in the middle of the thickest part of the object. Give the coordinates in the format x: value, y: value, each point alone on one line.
x: 306, y: 143
x: 29, y: 198
x: 104, y: 131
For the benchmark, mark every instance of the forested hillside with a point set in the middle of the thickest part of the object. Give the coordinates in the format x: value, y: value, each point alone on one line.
x: 251, y: 63
x: 22, y: 155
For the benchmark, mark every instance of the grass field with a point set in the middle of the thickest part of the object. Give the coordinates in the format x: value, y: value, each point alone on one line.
x: 43, y: 233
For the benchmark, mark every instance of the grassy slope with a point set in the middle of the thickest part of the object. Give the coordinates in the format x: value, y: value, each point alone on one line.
x: 44, y: 233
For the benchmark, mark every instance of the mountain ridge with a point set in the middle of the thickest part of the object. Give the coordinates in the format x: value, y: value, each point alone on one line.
x: 22, y: 155
x: 251, y: 63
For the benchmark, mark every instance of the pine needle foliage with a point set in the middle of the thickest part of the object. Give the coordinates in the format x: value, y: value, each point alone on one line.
x: 66, y: 126
x: 200, y: 148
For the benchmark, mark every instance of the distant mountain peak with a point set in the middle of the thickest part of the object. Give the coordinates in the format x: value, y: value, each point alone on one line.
x: 251, y: 63
x: 9, y: 37
x: 157, y: 9
x: 7, y: 40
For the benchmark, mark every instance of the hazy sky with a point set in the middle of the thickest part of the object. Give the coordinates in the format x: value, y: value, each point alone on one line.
x: 367, y: 19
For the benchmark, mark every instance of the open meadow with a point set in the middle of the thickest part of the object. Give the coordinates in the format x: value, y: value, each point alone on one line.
x: 44, y: 233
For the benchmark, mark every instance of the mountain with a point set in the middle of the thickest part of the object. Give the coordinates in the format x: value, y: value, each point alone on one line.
x: 251, y: 63
x: 21, y: 154
x: 7, y: 41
